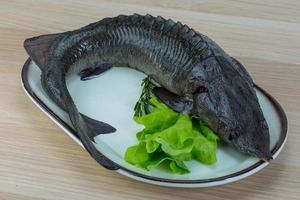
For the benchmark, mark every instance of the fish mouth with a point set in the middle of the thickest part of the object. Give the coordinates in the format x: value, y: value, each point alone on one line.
x: 265, y: 155
x: 253, y: 139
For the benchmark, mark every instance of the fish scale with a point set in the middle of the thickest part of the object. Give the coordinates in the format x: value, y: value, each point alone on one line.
x: 146, y: 24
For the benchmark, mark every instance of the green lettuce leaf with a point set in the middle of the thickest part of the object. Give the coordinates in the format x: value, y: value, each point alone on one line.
x: 169, y: 139
x: 178, y: 167
x: 204, y: 150
x: 137, y: 154
x: 209, y: 134
x: 160, y: 118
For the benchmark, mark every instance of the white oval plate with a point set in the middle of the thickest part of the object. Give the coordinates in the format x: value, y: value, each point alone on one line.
x: 111, y: 98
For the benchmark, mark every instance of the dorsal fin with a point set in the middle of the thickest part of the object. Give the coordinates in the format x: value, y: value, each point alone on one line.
x: 188, y: 35
x: 158, y: 24
x: 121, y: 18
x: 38, y: 48
x: 135, y: 19
x: 159, y: 19
x: 149, y: 20
x: 168, y: 26
x: 184, y: 29
x: 117, y: 21
x: 146, y: 22
x: 175, y: 29
x: 149, y: 17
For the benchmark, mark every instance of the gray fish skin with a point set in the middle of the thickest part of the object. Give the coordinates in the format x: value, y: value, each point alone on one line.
x: 183, y: 61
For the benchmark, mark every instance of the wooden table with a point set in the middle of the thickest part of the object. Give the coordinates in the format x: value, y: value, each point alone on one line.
x: 39, y: 161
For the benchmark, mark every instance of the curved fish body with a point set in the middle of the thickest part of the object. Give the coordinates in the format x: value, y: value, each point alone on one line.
x: 196, y: 76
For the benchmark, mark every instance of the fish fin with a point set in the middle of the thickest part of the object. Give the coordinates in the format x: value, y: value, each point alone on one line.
x: 55, y: 86
x: 97, y: 127
x: 94, y: 71
x: 177, y: 103
x: 38, y: 48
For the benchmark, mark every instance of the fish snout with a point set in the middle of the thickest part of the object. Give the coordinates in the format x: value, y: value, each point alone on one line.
x: 257, y: 143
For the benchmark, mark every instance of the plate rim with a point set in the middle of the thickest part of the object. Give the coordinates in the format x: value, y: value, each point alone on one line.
x: 254, y: 167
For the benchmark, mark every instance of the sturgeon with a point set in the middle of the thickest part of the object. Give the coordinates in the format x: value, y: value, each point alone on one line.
x: 195, y: 74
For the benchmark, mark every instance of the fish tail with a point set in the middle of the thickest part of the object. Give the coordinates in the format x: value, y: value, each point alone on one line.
x: 38, y: 48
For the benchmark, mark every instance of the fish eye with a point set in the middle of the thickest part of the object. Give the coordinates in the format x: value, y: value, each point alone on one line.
x: 200, y: 89
x: 233, y: 135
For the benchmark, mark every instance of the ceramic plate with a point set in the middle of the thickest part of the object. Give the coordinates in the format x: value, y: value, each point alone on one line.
x: 111, y: 98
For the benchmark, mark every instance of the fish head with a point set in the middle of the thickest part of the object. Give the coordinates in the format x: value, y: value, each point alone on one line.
x: 229, y: 105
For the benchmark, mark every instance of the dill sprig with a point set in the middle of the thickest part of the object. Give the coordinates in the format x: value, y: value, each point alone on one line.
x: 142, y: 106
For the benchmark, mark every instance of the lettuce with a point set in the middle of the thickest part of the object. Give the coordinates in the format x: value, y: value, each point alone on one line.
x: 159, y: 119
x: 170, y: 138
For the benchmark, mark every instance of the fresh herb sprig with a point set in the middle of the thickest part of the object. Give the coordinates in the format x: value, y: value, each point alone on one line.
x: 142, y: 106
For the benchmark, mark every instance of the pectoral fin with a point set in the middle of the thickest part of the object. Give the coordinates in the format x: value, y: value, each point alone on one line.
x: 177, y: 103
x: 94, y: 71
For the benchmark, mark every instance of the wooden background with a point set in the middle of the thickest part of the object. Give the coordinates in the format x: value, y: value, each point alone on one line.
x: 39, y: 161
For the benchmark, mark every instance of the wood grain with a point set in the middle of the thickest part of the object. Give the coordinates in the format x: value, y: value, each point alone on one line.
x: 39, y: 161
